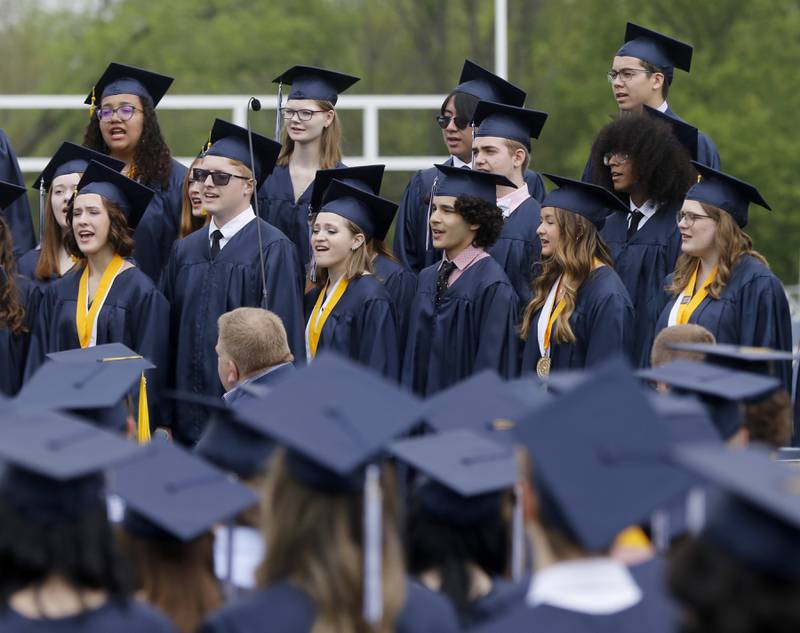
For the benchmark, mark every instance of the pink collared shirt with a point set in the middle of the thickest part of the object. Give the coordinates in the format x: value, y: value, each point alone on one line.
x: 465, y: 259
x: 509, y: 203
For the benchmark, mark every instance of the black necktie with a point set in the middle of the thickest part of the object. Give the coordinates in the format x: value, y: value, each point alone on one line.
x: 216, y: 236
x: 441, y: 281
x: 636, y: 217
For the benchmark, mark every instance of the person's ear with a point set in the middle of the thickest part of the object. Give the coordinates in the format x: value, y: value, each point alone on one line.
x: 232, y: 371
x: 358, y: 240
x: 330, y: 115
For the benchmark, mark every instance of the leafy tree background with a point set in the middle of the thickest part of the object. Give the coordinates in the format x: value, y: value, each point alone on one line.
x: 744, y: 89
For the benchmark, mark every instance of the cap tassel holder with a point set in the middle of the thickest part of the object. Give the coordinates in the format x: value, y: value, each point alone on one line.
x: 143, y: 419
x: 428, y: 221
x: 278, y: 113
x: 42, y: 198
x: 373, y: 547
x: 518, y: 536
x: 92, y: 106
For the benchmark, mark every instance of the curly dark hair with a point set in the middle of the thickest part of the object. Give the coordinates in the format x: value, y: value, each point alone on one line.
x: 488, y: 216
x: 152, y: 159
x: 119, y: 233
x: 720, y: 595
x: 659, y: 160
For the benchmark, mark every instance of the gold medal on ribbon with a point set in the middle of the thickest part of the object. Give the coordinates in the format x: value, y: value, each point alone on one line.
x: 543, y: 367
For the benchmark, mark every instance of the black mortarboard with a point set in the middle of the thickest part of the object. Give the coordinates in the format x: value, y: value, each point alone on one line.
x: 320, y: 84
x: 600, y: 459
x: 664, y: 52
x: 73, y: 159
x: 685, y: 133
x: 485, y: 85
x: 454, y: 181
x: 759, y: 360
x: 685, y: 418
x: 372, y: 214
x: 169, y: 492
x: 757, y: 518
x: 725, y: 192
x: 120, y: 79
x: 333, y: 435
x: 128, y: 194
x: 9, y: 192
x: 465, y: 473
x: 55, y: 464
x: 231, y: 141
x: 591, y: 201
x: 106, y: 353
x: 366, y: 177
x: 510, y: 122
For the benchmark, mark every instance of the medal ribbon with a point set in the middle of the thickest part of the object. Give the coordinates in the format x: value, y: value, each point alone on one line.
x: 318, y: 317
x: 86, y: 318
x: 692, y: 299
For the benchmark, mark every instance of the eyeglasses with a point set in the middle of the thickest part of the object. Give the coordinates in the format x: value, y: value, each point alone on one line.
x: 689, y: 218
x: 123, y: 112
x: 444, y: 120
x: 303, y: 115
x: 219, y: 178
x: 626, y: 74
x: 619, y: 159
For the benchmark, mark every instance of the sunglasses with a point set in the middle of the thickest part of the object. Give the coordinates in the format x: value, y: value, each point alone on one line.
x: 444, y: 120
x: 219, y: 178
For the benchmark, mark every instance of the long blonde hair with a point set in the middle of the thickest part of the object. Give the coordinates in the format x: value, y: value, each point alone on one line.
x: 579, y: 244
x: 47, y: 266
x: 330, y: 151
x: 359, y: 261
x: 189, y: 222
x: 314, y: 540
x: 732, y: 243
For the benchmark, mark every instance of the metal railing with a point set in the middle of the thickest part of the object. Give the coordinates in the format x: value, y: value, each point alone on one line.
x: 370, y: 105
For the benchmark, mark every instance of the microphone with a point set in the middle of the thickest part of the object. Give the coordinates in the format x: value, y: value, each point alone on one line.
x: 255, y: 105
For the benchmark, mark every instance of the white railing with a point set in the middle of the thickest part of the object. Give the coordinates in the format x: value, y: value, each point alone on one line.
x: 370, y: 105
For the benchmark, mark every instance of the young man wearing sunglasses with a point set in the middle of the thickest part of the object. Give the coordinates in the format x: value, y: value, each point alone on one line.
x: 213, y: 271
x: 412, y: 243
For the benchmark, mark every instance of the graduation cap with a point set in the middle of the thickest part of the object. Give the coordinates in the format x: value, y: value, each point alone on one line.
x: 757, y: 518
x: 725, y: 192
x: 485, y: 85
x: 760, y: 360
x: 231, y: 141
x: 128, y: 194
x: 9, y: 192
x: 591, y: 201
x: 600, y: 459
x: 510, y: 122
x: 666, y: 53
x: 368, y: 178
x: 106, y: 353
x: 55, y: 464
x: 119, y: 79
x: 372, y: 214
x: 721, y: 389
x: 73, y: 159
x: 685, y: 418
x: 310, y: 82
x: 170, y: 493
x: 685, y: 133
x: 454, y: 181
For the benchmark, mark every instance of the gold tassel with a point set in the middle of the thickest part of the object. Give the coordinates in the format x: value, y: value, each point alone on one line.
x: 143, y: 423
x: 92, y: 107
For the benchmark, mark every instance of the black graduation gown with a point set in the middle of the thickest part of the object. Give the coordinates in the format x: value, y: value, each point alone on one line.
x: 401, y: 284
x: 18, y: 214
x: 474, y: 328
x: 505, y: 596
x: 26, y: 266
x: 277, y: 205
x: 200, y: 290
x: 412, y: 218
x: 602, y: 323
x: 752, y: 310
x: 288, y: 609
x: 518, y: 248
x: 642, y: 265
x: 129, y: 617
x: 159, y: 226
x: 14, y: 347
x: 362, y: 326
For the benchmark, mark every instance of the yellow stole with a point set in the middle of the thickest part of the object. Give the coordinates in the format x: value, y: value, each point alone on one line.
x: 691, y: 299
x: 85, y: 318
x: 559, y: 309
x: 317, y: 320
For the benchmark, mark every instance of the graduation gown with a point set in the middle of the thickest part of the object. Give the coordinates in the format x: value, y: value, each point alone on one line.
x: 505, y: 596
x: 14, y: 347
x: 518, y: 249
x: 412, y: 218
x: 200, y: 290
x: 237, y: 396
x: 474, y: 328
x: 129, y: 617
x: 401, y: 284
x: 277, y: 205
x: 642, y: 265
x: 288, y: 609
x: 18, y: 214
x: 26, y: 264
x: 159, y: 226
x: 602, y: 323
x: 362, y: 326
x: 752, y: 310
